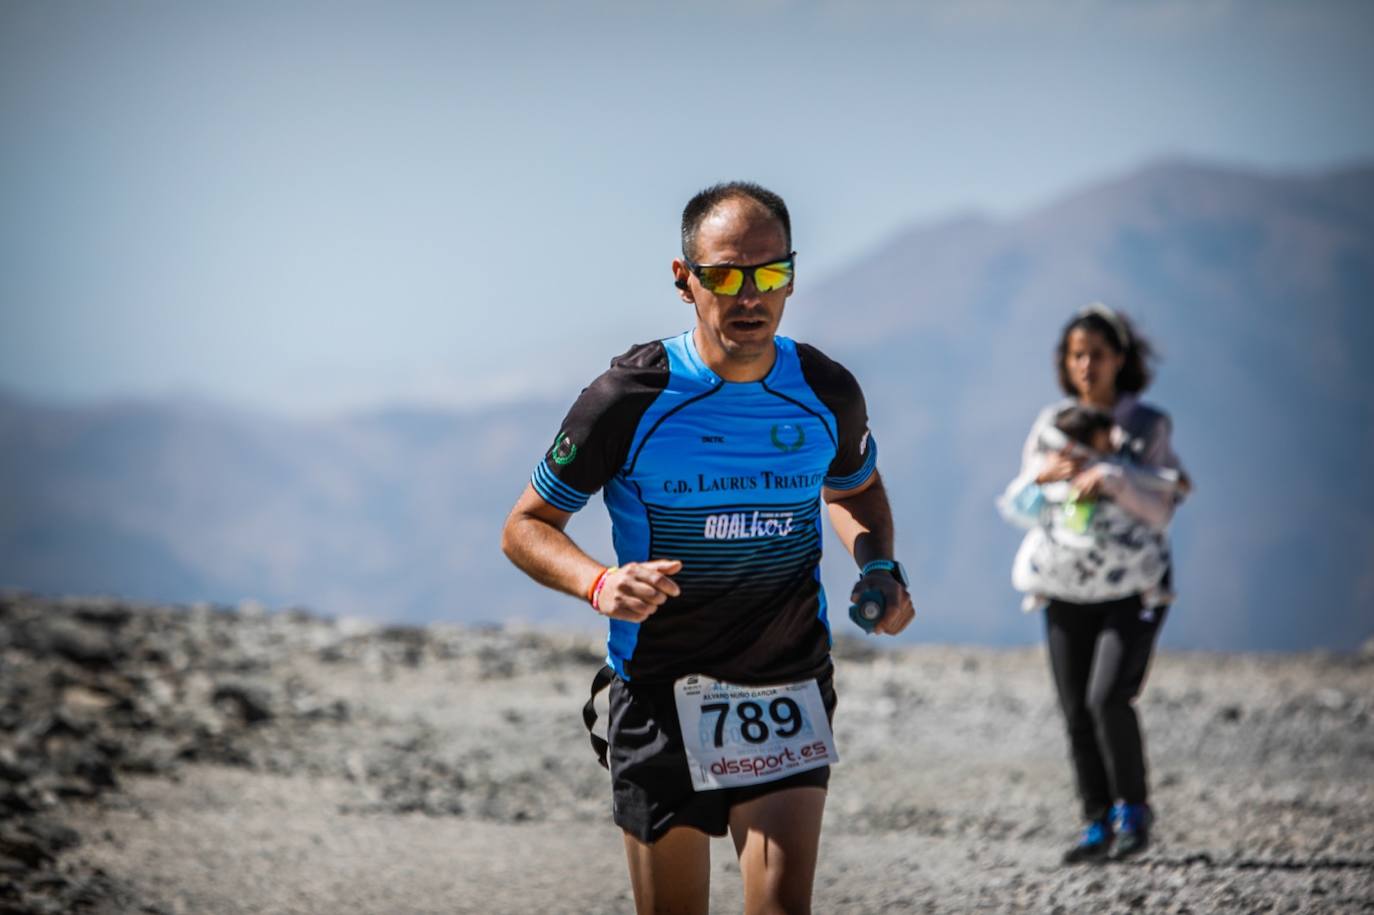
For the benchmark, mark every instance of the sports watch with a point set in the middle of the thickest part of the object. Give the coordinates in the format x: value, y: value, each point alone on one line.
x: 891, y: 566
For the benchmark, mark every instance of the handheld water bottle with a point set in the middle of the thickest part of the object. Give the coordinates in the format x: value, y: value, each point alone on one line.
x: 869, y: 610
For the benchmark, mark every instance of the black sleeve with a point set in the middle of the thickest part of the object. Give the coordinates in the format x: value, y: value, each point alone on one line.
x: 856, y: 453
x: 594, y: 438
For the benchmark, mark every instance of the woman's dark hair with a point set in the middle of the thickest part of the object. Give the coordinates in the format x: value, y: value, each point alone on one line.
x: 1114, y: 327
x: 700, y: 206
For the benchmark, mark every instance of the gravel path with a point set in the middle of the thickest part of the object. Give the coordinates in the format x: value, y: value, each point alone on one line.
x: 414, y: 771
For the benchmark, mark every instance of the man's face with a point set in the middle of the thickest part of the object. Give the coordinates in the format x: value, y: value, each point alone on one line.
x: 736, y: 329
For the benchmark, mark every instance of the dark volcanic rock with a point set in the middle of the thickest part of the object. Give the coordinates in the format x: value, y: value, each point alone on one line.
x: 246, y: 701
x: 94, y: 690
x: 91, y: 689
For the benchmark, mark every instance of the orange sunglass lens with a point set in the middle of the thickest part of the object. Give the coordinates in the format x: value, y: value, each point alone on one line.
x: 772, y: 276
x: 722, y: 280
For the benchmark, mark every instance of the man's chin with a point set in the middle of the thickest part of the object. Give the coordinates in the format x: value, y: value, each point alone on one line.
x: 749, y: 346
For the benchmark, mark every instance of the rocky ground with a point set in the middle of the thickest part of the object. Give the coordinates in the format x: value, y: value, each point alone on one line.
x: 217, y: 760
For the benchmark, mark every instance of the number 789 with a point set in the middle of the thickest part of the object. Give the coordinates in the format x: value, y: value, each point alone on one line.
x: 784, y: 713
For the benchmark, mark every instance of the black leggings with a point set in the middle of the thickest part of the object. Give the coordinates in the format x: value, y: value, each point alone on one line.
x: 1100, y: 654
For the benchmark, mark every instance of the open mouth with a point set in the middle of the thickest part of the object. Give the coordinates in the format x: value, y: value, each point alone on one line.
x: 748, y: 324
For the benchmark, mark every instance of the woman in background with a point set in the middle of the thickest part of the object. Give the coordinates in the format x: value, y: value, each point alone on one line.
x: 1104, y: 579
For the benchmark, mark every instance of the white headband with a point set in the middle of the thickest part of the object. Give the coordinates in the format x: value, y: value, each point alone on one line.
x: 1118, y: 326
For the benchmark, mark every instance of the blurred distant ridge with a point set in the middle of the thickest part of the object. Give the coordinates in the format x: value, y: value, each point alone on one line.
x: 1258, y: 289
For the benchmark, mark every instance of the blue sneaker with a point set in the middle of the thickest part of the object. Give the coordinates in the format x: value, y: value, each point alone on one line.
x: 1133, y: 822
x: 1093, y: 845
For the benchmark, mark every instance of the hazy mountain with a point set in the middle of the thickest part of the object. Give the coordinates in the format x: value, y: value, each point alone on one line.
x: 391, y: 514
x: 1258, y: 289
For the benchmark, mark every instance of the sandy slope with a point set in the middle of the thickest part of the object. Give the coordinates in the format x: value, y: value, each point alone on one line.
x: 461, y: 781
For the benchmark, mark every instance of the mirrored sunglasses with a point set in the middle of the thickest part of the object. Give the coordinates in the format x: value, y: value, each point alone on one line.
x: 728, y: 279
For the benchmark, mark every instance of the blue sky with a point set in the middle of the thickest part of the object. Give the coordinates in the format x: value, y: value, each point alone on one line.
x: 311, y: 207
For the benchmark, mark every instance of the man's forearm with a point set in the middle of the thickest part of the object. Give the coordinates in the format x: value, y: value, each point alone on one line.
x: 548, y: 555
x: 863, y: 523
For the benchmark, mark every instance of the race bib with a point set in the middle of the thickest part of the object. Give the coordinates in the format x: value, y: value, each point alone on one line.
x: 746, y: 735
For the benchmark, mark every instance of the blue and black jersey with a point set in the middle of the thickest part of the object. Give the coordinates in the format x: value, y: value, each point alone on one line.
x: 727, y: 478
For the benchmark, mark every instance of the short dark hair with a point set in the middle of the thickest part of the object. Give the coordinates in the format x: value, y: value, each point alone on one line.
x: 1136, y: 372
x: 700, y: 206
x: 1081, y: 423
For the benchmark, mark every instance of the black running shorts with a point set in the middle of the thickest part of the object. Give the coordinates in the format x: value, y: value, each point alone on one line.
x: 651, y: 783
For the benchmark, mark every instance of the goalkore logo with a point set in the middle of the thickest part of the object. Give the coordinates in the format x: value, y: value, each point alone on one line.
x: 765, y: 765
x: 747, y: 525
x: 563, y: 449
x: 787, y: 437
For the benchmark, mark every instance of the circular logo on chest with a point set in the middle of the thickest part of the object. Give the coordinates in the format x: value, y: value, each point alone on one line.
x: 787, y: 437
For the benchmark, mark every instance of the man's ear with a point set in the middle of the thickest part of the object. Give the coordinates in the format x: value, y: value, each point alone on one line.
x: 680, y: 280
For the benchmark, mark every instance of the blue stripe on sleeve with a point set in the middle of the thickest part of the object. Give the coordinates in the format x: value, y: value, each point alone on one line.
x: 555, y: 492
x: 858, y: 477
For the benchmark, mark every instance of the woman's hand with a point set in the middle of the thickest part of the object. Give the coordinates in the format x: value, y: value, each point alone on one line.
x: 1096, y: 481
x: 1060, y: 466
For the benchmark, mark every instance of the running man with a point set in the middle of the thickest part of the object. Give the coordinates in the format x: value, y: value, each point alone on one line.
x: 715, y: 450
